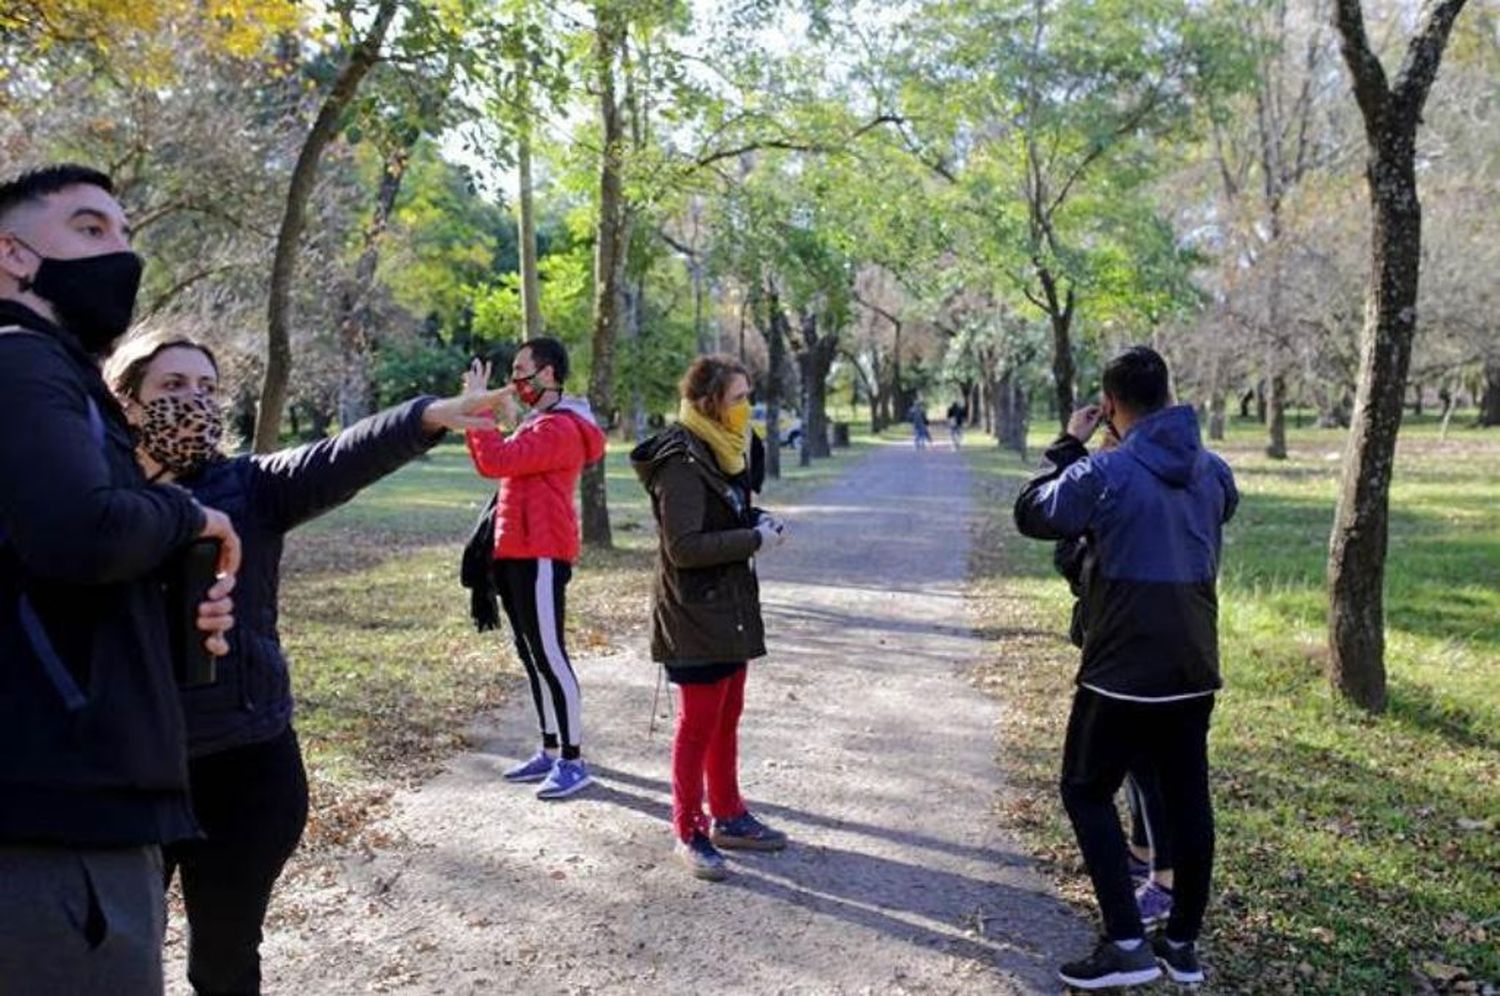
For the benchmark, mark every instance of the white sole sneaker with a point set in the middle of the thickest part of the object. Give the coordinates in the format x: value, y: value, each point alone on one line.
x: 1135, y: 977
x: 562, y: 793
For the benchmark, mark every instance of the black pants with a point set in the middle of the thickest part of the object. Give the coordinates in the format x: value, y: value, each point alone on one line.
x: 1109, y: 737
x: 252, y: 804
x: 534, y: 594
x: 1149, y: 830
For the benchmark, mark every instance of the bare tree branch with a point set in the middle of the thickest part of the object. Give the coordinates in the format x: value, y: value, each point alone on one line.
x: 1423, y: 56
x: 795, y: 145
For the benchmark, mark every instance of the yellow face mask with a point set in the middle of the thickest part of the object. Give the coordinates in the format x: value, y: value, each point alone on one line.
x: 737, y: 418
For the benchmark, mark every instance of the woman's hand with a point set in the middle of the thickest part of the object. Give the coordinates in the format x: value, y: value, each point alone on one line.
x: 216, y: 611
x: 470, y: 410
x: 216, y: 616
x: 772, y: 531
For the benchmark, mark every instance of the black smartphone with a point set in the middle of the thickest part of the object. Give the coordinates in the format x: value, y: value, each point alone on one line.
x: 196, y: 571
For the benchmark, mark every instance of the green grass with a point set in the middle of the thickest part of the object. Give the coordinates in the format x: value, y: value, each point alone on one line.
x: 1353, y: 850
x: 387, y: 669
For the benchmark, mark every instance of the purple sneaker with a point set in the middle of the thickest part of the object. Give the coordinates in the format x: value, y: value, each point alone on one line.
x: 1155, y: 902
x: 533, y: 769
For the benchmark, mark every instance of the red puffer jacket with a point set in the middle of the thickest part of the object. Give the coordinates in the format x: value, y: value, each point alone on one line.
x: 538, y: 466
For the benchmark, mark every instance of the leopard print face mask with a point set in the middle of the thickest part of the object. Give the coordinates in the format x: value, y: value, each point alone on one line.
x: 181, y: 434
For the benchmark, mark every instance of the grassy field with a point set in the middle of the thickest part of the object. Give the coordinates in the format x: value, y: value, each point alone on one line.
x: 386, y: 666
x: 1356, y: 854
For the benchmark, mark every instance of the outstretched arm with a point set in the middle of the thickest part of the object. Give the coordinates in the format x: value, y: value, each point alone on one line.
x: 292, y: 486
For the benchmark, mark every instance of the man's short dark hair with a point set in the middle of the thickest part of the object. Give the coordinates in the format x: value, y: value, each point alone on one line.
x: 37, y: 183
x: 548, y: 352
x: 1138, y: 379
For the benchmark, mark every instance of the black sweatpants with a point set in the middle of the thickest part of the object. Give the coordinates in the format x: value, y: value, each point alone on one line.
x: 252, y: 805
x: 1149, y: 829
x: 1108, y: 737
x: 534, y: 594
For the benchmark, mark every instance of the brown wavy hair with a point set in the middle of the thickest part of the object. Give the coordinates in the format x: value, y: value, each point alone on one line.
x: 706, y: 381
x: 125, y: 370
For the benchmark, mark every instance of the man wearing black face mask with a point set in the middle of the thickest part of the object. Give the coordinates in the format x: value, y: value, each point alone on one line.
x: 92, y: 760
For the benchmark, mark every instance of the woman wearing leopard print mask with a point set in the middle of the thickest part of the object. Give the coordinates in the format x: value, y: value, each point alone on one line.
x: 249, y: 788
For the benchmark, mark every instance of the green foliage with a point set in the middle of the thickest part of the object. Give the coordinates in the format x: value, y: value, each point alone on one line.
x: 409, y: 367
x: 566, y: 284
x: 448, y: 240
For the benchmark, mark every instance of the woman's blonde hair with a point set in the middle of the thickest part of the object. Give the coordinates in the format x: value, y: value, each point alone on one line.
x: 125, y: 370
x: 706, y: 381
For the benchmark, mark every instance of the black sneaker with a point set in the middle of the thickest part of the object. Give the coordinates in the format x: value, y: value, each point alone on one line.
x: 1181, y: 961
x: 1111, y: 965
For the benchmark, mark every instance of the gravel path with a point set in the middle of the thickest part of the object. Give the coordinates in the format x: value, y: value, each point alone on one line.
x: 861, y: 738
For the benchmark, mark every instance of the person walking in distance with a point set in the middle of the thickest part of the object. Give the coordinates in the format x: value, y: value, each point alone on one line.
x: 958, y: 414
x: 1153, y: 509
x: 93, y: 764
x: 705, y: 620
x: 249, y: 788
x: 921, y: 435
x: 552, y: 438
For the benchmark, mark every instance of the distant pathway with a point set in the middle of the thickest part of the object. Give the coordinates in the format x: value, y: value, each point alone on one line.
x: 861, y: 738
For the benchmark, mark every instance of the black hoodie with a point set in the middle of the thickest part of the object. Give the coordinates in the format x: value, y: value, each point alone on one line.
x: 91, y: 735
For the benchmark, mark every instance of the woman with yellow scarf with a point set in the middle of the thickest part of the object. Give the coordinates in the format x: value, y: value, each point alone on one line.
x: 705, y: 620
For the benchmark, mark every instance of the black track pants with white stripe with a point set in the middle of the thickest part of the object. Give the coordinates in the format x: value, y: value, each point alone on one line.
x: 533, y: 593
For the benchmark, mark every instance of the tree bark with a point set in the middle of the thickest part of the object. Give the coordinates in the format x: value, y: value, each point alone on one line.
x: 1276, y: 416
x: 609, y: 261
x: 1489, y: 401
x: 1059, y: 310
x: 1357, y: 549
x: 775, y: 325
x: 356, y: 392
x: 1012, y: 412
x: 531, y: 294
x: 294, y: 218
x: 813, y: 363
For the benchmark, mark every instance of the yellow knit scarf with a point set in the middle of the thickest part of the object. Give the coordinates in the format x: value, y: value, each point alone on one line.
x: 728, y: 446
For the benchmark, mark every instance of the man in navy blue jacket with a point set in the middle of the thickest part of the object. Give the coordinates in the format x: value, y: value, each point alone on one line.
x: 1153, y: 510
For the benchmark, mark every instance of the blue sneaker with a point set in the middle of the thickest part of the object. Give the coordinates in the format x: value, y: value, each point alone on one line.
x: 746, y: 833
x: 701, y: 858
x: 1155, y: 902
x: 565, y: 778
x: 533, y: 769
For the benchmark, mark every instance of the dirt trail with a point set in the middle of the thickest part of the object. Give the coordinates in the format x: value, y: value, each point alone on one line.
x: 861, y: 738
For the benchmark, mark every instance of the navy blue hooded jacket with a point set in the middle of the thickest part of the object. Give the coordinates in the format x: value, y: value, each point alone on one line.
x: 1152, y: 510
x: 266, y: 496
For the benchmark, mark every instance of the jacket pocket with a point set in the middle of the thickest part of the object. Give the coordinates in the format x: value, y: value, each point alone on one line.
x: 45, y: 653
x: 699, y: 587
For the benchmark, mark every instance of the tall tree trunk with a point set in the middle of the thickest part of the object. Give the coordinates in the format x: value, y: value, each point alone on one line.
x: 1059, y: 308
x: 813, y: 364
x: 633, y: 420
x: 1217, y: 396
x: 1011, y: 413
x: 775, y: 325
x: 1489, y: 401
x: 356, y: 392
x: 1276, y: 415
x: 531, y: 294
x: 1357, y: 549
x: 278, y: 372
x: 609, y: 260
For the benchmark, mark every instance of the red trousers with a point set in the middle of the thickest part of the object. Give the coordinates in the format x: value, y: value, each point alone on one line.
x: 706, y: 748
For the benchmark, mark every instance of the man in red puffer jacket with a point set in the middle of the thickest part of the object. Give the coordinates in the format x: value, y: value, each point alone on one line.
x: 536, y: 543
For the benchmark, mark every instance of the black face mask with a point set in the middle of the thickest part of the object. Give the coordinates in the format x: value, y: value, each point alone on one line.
x: 93, y: 297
